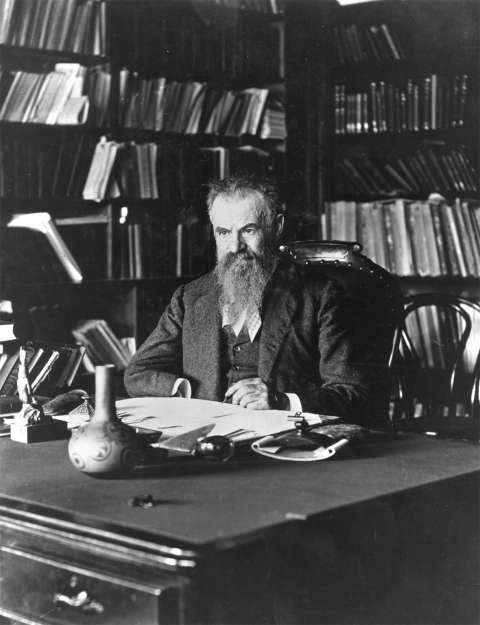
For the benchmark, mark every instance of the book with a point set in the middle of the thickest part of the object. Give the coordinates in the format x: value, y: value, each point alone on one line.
x: 439, y: 239
x: 52, y: 241
x: 102, y: 345
x: 8, y: 375
x: 402, y: 248
x: 454, y: 246
x: 100, y: 170
x: 465, y: 237
x: 44, y: 370
x: 6, y: 15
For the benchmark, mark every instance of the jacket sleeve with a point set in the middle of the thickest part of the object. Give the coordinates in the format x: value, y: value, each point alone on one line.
x: 343, y: 385
x: 158, y: 362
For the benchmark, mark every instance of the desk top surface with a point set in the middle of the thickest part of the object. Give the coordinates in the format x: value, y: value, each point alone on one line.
x: 206, y: 504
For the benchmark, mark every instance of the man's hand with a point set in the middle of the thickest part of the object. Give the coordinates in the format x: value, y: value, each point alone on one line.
x: 254, y: 394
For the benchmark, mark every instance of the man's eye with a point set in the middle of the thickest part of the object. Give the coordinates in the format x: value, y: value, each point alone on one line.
x: 222, y: 233
x: 250, y: 231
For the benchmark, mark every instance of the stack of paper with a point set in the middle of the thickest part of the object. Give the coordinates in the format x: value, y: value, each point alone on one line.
x: 173, y: 416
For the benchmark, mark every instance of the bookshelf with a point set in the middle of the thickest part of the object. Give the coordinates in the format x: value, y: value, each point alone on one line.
x: 397, y: 102
x: 180, y: 91
x: 114, y: 115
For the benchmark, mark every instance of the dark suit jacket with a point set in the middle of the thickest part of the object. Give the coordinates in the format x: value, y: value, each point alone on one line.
x: 305, y: 347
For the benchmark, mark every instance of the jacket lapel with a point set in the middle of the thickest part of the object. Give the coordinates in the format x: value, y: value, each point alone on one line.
x: 206, y: 325
x: 280, y: 305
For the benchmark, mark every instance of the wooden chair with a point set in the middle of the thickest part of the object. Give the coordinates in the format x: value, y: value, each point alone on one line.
x: 435, y: 363
x: 376, y: 305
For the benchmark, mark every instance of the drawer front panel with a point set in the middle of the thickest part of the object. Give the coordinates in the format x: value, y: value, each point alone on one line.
x: 49, y: 591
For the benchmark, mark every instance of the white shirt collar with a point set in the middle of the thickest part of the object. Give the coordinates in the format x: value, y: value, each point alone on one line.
x: 249, y: 317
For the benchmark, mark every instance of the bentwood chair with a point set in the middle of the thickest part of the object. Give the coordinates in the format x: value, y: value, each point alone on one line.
x: 376, y: 307
x: 435, y: 363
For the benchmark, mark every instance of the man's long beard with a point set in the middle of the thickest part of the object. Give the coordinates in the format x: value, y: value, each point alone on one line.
x: 242, y: 278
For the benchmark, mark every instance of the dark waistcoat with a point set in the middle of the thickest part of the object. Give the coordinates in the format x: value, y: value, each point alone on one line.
x: 240, y: 356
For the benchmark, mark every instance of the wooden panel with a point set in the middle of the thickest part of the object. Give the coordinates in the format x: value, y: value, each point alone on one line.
x: 54, y: 591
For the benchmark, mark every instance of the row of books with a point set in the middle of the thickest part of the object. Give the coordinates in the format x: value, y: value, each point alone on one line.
x: 442, y: 169
x: 411, y: 237
x: 102, y: 344
x: 60, y: 167
x: 62, y: 96
x: 190, y: 40
x: 139, y: 170
x: 65, y: 25
x: 131, y: 252
x: 354, y: 43
x: 56, y: 168
x: 51, y: 368
x: 430, y: 103
x: 274, y: 7
x: 191, y: 107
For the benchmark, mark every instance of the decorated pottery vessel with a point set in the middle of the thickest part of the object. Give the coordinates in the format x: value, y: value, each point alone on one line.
x: 104, y: 444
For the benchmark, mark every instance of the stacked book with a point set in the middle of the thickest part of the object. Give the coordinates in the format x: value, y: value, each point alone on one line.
x: 34, y: 236
x: 62, y: 96
x: 140, y: 171
x: 353, y: 43
x: 430, y: 103
x: 130, y: 250
x: 411, y: 237
x: 99, y: 183
x: 275, y: 7
x: 220, y: 162
x: 67, y: 25
x: 45, y: 169
x: 102, y: 345
x: 442, y: 169
x: 273, y: 123
x: 51, y: 368
x: 195, y: 108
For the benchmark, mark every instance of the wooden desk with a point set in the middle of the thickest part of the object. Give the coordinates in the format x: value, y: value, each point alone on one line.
x: 367, y: 538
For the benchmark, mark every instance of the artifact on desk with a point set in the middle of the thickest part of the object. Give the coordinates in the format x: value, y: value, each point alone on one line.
x: 104, y: 444
x: 65, y: 403
x: 209, y: 429
x: 31, y: 425
x: 198, y: 443
x: 307, y: 443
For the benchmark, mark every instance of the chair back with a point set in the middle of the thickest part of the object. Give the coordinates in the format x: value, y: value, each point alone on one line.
x: 435, y: 363
x: 375, y: 300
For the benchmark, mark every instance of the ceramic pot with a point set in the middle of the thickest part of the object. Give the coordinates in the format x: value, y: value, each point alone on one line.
x: 104, y: 444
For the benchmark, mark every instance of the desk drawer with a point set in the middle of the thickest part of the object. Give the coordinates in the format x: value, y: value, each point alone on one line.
x: 54, y: 592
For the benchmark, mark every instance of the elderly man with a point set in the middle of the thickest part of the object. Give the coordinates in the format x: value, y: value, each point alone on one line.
x: 252, y: 331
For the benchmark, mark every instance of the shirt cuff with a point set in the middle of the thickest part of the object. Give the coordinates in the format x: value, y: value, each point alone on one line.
x: 182, y: 388
x: 295, y: 403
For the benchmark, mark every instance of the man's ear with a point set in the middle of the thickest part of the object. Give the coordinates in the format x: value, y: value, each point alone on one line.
x: 279, y: 221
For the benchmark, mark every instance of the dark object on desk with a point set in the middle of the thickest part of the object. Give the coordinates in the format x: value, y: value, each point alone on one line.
x: 198, y: 443
x: 142, y: 501
x: 215, y: 448
x: 65, y: 402
x: 376, y: 303
x: 436, y: 365
x: 308, y: 443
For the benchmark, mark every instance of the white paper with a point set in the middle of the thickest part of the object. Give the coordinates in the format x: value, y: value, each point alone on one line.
x: 174, y: 416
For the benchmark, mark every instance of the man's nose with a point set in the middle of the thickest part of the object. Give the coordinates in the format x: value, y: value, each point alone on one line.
x: 236, y: 243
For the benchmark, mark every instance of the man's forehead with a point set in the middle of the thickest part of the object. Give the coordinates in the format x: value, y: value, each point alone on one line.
x: 232, y: 210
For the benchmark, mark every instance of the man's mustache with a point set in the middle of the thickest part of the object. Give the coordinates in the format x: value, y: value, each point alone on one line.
x: 231, y: 257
